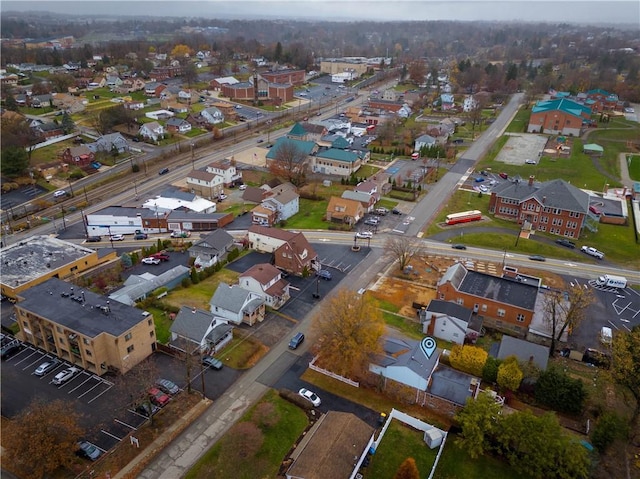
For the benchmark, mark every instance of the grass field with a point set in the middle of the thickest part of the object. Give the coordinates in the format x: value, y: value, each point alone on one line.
x: 634, y: 168
x: 198, y: 295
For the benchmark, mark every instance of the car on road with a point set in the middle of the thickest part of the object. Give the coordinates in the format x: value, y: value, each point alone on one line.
x: 537, y: 257
x: 324, y: 274
x: 260, y: 140
x: 63, y: 376
x: 117, y: 237
x: 458, y: 246
x: 211, y: 362
x: 94, y: 239
x: 158, y: 397
x: 310, y: 396
x: 10, y: 349
x: 296, y: 341
x: 47, y: 366
x: 530, y: 162
x: 238, y: 107
x: 163, y: 171
x: 566, y: 243
x: 592, y: 252
x: 141, y: 236
x: 150, y: 260
x: 167, y: 386
x: 88, y: 451
x: 60, y: 193
x: 364, y: 234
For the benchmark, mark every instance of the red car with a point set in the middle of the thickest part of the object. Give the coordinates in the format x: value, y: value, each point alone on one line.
x: 158, y: 397
x: 162, y: 256
x: 504, y: 176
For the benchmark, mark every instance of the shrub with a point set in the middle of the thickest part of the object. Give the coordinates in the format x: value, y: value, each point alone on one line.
x: 509, y: 374
x: 560, y: 392
x: 469, y: 359
x: 296, y: 399
x: 607, y: 429
x: 186, y: 282
x: 490, y: 369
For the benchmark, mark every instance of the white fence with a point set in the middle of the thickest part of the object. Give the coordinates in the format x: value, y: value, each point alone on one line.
x: 332, y: 375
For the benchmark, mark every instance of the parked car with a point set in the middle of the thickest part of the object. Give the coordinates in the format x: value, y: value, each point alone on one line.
x: 10, y: 349
x: 324, y: 274
x: 479, y: 179
x: 150, y: 260
x: 381, y: 211
x: 63, y: 376
x: 530, y: 162
x: 94, y: 239
x: 167, y: 386
x: 163, y: 171
x: 484, y: 189
x: 88, y: 451
x: 161, y: 255
x: 503, y: 175
x: 296, y: 341
x: 158, y: 397
x: 59, y: 193
x: 537, y: 257
x: 364, y: 234
x: 141, y: 236
x: 567, y: 243
x: 372, y: 221
x: 47, y: 366
x: 458, y: 246
x: 396, y: 211
x: 242, y: 187
x: 310, y: 396
x: 180, y: 234
x: 212, y: 362
x: 117, y: 237
x: 222, y: 197
x: 592, y: 252
x: 147, y: 409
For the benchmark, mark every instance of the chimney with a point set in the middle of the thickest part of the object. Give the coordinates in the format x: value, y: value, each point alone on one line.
x: 531, y: 178
x: 544, y: 200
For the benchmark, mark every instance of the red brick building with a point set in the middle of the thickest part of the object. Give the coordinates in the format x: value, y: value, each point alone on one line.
x: 78, y: 155
x: 555, y: 207
x: 295, y: 77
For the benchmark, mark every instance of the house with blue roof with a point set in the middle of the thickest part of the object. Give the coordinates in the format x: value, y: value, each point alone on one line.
x: 559, y: 117
x: 447, y: 101
x: 603, y: 100
x: 297, y: 153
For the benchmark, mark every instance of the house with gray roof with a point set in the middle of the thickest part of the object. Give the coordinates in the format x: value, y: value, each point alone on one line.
x: 502, y: 303
x: 237, y: 305
x: 212, y: 115
x: 109, y: 143
x: 556, y: 207
x: 138, y: 287
x: 450, y: 321
x: 178, y: 125
x: 424, y: 141
x: 525, y: 351
x: 368, y: 201
x: 453, y: 385
x: 283, y: 199
x: 195, y: 331
x: 211, y: 248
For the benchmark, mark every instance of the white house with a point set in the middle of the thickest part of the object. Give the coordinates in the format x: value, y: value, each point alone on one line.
x: 237, y: 305
x: 225, y: 168
x: 195, y: 330
x: 404, y: 111
x: 159, y: 114
x: 153, y: 131
x: 266, y: 280
x: 469, y: 103
x: 449, y: 321
x: 212, y: 115
x: 211, y: 248
x: 424, y: 141
x: 178, y: 125
x: 206, y: 184
x: 284, y: 200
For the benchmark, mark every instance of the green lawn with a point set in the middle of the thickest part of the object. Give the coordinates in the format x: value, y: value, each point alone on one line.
x: 408, y: 327
x: 198, y: 295
x: 310, y: 216
x: 634, y: 167
x: 366, y: 171
x: 229, y: 459
x: 520, y: 121
x: 399, y: 443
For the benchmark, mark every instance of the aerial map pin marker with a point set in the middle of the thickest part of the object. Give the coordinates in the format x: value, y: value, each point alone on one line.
x: 428, y: 346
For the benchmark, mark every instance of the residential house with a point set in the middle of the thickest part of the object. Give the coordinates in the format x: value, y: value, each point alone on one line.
x: 343, y: 210
x: 113, y: 82
x: 367, y: 201
x: 83, y: 329
x: 450, y: 322
x: 261, y: 215
x: 109, y: 143
x: 212, y: 115
x: 217, y: 83
x: 469, y: 104
x: 152, y: 131
x: 69, y: 103
x: 237, y: 305
x: 185, y: 96
x: 178, y: 125
x: 266, y: 280
x: 283, y: 199
x: 41, y: 101
x: 555, y: 206
x: 195, y: 331
x: 46, y: 131
x: 226, y: 168
x: 206, y: 184
x: 502, y: 303
x: 211, y: 248
x: 291, y: 250
x: 447, y: 101
x: 391, y: 95
x: 331, y: 448
x: 385, y: 105
x: 424, y: 141
x: 370, y: 187
x: 558, y: 117
x: 138, y: 286
x: 154, y: 89
x: 525, y: 351
x: 78, y: 155
x: 253, y: 195
x: 133, y: 105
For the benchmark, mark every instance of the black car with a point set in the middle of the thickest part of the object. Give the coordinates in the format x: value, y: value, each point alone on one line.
x: 458, y: 246
x: 567, y: 243
x: 10, y: 349
x: 141, y: 236
x: 94, y: 239
x: 163, y: 171
x: 537, y: 257
x: 396, y: 211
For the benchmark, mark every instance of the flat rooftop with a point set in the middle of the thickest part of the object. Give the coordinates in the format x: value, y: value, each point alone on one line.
x: 78, y: 309
x: 36, y: 256
x: 500, y: 290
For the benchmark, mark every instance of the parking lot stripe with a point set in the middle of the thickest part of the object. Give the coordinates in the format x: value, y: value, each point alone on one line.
x: 110, y: 435
x: 125, y: 424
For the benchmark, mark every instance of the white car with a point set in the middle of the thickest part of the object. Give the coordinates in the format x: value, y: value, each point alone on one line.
x: 117, y: 237
x: 242, y: 187
x: 63, y: 376
x: 530, y: 162
x: 364, y: 234
x: 310, y: 396
x: 222, y: 197
x: 59, y: 193
x: 150, y: 261
x: 592, y: 252
x: 484, y: 189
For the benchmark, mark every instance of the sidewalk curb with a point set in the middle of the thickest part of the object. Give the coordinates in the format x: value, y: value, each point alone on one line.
x: 142, y: 460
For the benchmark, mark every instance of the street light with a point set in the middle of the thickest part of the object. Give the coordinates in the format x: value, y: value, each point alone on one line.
x: 193, y: 156
x: 70, y: 187
x: 64, y: 223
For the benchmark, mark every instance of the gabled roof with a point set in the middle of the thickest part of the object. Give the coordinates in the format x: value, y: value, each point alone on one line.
x: 201, y: 175
x: 217, y: 240
x: 408, y: 353
x: 263, y: 273
x: 563, y: 104
x: 253, y: 194
x: 174, y: 121
x: 192, y: 323
x: 313, y: 128
x: 452, y: 385
x: 450, y: 309
x: 338, y: 155
x: 341, y: 143
x: 233, y: 298
x: 524, y: 351
x: 297, y: 130
x: 305, y: 147
x: 213, y: 111
x: 360, y: 196
x: 425, y: 139
x: 276, y: 233
x: 341, y: 207
x: 284, y: 197
x: 552, y: 194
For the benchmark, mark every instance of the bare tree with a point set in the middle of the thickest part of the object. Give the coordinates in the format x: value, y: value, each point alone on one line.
x: 403, y: 249
x: 135, y: 384
x: 289, y: 163
x: 565, y: 310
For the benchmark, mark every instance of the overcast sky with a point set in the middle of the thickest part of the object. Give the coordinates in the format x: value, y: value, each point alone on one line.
x: 571, y: 11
